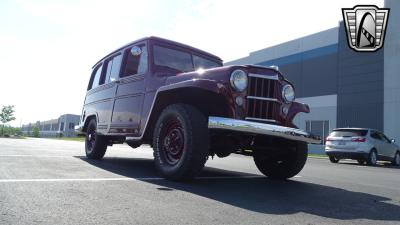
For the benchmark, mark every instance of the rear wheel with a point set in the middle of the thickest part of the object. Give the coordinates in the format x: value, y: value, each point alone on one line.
x: 396, y: 159
x: 333, y: 159
x: 372, y: 157
x: 95, y: 144
x: 282, y: 166
x: 180, y: 142
x: 361, y: 162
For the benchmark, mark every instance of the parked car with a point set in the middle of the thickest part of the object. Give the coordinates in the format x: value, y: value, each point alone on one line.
x: 363, y: 145
x: 188, y: 106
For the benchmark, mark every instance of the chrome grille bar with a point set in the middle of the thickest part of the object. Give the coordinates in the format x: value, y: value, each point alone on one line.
x: 264, y: 99
x: 274, y: 77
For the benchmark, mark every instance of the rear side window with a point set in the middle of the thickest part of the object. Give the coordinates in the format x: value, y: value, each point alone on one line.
x: 113, y: 67
x: 135, y: 61
x: 348, y: 133
x: 96, y: 75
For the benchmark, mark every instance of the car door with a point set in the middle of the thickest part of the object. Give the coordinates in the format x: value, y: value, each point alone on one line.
x: 128, y: 101
x: 99, y: 98
x: 389, y: 147
x: 378, y: 142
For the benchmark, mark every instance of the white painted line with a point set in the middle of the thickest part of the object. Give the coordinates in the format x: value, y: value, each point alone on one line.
x: 116, y: 179
x: 78, y: 179
x: 39, y: 156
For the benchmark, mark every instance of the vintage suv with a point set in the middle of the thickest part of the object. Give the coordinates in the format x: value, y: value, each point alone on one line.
x: 185, y: 104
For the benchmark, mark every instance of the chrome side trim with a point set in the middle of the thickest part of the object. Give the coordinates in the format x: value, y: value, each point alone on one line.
x: 274, y: 77
x: 294, y: 134
x: 259, y: 119
x: 265, y: 99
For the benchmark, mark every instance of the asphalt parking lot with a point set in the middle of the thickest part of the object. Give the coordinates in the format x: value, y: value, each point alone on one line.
x: 51, y: 182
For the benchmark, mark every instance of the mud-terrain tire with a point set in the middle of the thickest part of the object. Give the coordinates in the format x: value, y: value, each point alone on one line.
x: 283, y: 166
x: 95, y: 144
x: 180, y: 142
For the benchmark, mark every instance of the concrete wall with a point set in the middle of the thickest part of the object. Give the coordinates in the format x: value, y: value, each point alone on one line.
x: 321, y: 108
x: 391, y: 105
x: 360, y: 86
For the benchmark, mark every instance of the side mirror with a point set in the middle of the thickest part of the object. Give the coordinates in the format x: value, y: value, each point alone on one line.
x: 392, y: 141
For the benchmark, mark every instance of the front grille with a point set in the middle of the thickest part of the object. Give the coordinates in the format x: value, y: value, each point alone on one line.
x: 262, y: 101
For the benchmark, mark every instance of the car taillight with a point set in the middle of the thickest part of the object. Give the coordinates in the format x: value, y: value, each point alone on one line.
x: 328, y: 139
x: 358, y: 139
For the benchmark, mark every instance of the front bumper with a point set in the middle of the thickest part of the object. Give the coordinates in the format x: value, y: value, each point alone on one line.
x: 221, y: 123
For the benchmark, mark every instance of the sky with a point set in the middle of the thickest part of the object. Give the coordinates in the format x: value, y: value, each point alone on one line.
x: 47, y: 47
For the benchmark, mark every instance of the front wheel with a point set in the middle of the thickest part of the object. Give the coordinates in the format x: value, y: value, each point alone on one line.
x: 180, y: 142
x: 282, y: 166
x: 396, y: 159
x: 95, y: 144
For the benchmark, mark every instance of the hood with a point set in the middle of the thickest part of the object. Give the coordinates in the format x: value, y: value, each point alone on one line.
x: 222, y: 74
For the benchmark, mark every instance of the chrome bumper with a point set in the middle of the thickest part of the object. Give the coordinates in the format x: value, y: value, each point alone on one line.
x: 221, y: 123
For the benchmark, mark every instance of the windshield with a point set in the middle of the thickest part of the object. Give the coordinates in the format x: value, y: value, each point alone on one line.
x: 180, y: 61
x: 348, y: 133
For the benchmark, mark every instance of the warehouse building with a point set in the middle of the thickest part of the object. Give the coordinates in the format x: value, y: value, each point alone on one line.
x: 61, y: 127
x: 344, y: 88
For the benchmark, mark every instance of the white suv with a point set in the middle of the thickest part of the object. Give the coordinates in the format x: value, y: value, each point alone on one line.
x: 363, y: 145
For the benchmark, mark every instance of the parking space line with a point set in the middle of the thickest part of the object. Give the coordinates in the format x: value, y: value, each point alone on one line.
x: 39, y: 156
x: 123, y: 179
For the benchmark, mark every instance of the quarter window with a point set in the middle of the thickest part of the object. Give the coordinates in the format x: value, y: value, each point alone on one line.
x: 96, y: 77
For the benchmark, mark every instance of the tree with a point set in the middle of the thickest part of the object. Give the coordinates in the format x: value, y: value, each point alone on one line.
x: 35, y: 131
x: 6, y: 115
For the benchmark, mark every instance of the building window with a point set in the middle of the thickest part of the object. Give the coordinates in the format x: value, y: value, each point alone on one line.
x: 318, y: 127
x: 62, y: 126
x: 71, y: 126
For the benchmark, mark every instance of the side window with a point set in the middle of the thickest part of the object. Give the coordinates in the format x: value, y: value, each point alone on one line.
x: 375, y: 135
x: 135, y: 61
x: 384, y: 138
x: 96, y: 77
x: 113, y: 66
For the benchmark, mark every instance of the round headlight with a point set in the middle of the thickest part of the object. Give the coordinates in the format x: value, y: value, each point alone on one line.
x: 288, y: 93
x: 239, y: 80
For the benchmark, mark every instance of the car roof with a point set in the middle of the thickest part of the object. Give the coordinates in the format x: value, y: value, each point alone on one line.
x: 351, y: 128
x: 165, y: 41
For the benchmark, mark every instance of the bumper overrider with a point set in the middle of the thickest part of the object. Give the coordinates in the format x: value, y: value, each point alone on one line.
x: 221, y: 123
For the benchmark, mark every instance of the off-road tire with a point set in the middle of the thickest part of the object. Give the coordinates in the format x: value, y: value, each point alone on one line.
x: 95, y: 145
x: 283, y: 166
x: 189, y: 125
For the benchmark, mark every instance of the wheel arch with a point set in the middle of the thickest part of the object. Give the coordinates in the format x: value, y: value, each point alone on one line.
x: 203, y: 99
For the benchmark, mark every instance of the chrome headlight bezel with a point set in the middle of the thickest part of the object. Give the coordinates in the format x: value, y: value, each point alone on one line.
x: 239, y: 80
x: 288, y: 93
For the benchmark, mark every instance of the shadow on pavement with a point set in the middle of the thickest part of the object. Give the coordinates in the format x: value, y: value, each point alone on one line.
x: 263, y: 195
